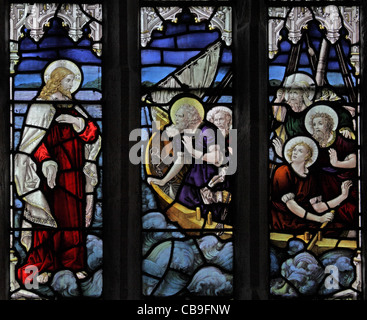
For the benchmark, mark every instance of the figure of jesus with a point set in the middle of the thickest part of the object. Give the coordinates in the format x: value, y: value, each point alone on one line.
x: 54, y: 170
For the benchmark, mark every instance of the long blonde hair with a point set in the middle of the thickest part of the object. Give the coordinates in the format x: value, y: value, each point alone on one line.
x: 309, y: 150
x: 53, y: 85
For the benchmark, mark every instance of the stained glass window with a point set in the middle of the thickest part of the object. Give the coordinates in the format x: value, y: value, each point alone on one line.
x: 314, y: 151
x: 56, y: 150
x: 188, y: 155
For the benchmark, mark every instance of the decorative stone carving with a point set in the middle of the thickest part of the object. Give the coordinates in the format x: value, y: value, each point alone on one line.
x: 14, y: 285
x: 357, y: 261
x: 151, y: 20
x: 351, y: 23
x: 202, y: 13
x: 277, y: 12
x: 221, y: 20
x: 275, y: 25
x: 297, y: 20
x: 95, y: 12
x: 330, y: 20
x: 39, y: 15
x: 18, y: 15
x: 74, y: 18
x: 36, y: 16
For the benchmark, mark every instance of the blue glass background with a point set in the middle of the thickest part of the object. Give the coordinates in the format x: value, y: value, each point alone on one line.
x: 173, y: 263
x: 34, y: 57
x: 291, y: 256
x: 277, y: 66
x: 56, y: 44
x: 175, y: 45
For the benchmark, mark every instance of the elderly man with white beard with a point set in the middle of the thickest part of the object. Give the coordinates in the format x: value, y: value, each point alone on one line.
x: 291, y: 105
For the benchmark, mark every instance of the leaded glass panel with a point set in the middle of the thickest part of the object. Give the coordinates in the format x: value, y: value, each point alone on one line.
x: 186, y: 118
x: 56, y: 150
x: 314, y: 143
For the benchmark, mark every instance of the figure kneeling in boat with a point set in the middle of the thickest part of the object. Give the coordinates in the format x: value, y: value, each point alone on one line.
x: 200, y: 144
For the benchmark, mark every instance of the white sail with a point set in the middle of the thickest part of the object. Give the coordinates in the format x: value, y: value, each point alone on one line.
x: 198, y: 73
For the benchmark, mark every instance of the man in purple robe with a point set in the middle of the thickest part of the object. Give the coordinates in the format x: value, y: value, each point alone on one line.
x: 204, y: 185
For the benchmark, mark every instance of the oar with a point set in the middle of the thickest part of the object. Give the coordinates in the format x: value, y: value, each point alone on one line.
x: 314, y: 239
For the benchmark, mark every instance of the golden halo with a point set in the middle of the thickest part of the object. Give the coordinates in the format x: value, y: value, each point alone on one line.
x: 301, y: 139
x: 68, y: 65
x: 296, y: 80
x: 320, y: 109
x: 186, y: 101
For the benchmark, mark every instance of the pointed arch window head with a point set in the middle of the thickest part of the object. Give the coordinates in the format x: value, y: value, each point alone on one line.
x: 56, y: 151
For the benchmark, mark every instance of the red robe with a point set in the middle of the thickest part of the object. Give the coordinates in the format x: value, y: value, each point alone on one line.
x: 331, y: 178
x: 64, y: 247
x: 287, y: 181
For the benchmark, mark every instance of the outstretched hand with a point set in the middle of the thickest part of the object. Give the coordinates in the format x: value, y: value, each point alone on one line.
x: 345, y: 187
x: 280, y: 95
x: 278, y: 147
x: 333, y: 157
x: 347, y: 134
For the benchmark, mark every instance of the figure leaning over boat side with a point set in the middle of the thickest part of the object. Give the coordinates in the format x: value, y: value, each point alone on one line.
x: 196, y: 142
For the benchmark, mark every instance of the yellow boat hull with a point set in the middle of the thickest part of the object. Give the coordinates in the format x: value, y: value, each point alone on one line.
x: 186, y: 218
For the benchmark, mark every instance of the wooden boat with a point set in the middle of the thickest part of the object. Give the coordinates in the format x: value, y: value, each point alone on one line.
x: 157, y: 99
x: 314, y: 240
x: 186, y: 218
x: 316, y: 243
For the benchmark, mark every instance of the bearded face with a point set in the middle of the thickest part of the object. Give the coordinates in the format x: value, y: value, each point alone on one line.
x: 295, y: 100
x: 186, y: 117
x: 220, y: 120
x: 321, y: 133
x: 59, y: 85
x: 65, y: 92
x: 182, y: 123
x: 66, y: 85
